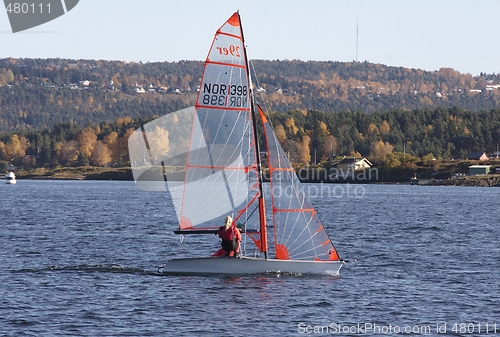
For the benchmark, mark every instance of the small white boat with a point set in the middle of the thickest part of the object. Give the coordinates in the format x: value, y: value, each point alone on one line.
x: 10, y: 178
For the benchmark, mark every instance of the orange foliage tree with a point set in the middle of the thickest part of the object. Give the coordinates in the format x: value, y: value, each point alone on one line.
x: 87, y: 140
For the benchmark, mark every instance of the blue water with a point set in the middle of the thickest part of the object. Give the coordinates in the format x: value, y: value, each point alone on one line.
x: 79, y: 258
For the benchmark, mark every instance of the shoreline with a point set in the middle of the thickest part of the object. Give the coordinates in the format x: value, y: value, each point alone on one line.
x: 76, y: 173
x: 125, y: 173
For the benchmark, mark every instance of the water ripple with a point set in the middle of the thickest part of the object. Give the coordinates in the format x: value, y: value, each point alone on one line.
x: 81, y: 258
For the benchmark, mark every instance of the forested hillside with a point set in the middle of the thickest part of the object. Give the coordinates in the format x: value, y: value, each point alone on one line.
x: 79, y: 112
x: 307, y: 137
x: 36, y: 93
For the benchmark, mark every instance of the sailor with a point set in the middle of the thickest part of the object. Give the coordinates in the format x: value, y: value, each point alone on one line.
x: 231, y: 237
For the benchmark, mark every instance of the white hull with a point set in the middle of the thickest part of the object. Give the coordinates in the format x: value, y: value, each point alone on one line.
x: 10, y: 178
x: 249, y: 265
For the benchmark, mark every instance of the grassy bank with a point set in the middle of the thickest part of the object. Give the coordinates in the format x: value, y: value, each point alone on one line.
x: 77, y: 173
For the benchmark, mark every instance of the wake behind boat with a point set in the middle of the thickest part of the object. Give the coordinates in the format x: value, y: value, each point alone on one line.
x: 214, y: 146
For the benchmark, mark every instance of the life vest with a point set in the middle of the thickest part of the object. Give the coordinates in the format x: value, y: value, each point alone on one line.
x: 228, y: 245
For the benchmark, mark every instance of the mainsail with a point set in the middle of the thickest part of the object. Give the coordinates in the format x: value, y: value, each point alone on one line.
x: 207, y: 155
x: 221, y: 176
x: 298, y: 233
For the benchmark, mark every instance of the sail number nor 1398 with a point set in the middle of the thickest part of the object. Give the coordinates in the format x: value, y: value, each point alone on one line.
x: 233, y: 96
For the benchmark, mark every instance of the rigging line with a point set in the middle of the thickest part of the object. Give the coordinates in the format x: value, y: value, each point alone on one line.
x: 304, y: 232
x: 311, y: 236
x: 314, y: 246
x: 248, y: 217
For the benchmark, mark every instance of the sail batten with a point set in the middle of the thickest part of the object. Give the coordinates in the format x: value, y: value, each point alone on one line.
x: 229, y: 34
x: 225, y: 64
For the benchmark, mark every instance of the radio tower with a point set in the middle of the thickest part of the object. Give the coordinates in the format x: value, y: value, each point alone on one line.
x: 357, y: 34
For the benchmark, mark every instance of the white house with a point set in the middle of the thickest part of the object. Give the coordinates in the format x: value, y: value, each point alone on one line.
x: 351, y: 163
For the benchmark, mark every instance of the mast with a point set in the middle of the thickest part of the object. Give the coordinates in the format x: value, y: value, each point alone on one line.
x: 262, y: 209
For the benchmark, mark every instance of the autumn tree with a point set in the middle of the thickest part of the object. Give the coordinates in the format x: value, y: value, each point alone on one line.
x: 330, y: 147
x: 87, y: 140
x: 280, y: 133
x: 3, y: 151
x: 67, y: 152
x: 392, y: 161
x: 6, y: 76
x: 101, y: 155
x: 292, y: 128
x: 304, y: 154
x: 319, y: 135
x: 384, y: 127
x: 113, y: 144
x: 372, y: 129
x: 428, y: 158
x: 14, y: 148
x: 158, y: 143
x: 24, y: 144
x: 124, y: 156
x: 291, y: 148
x: 123, y: 120
x: 381, y: 149
x: 355, y: 154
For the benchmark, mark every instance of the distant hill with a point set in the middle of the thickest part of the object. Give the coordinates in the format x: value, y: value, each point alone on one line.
x: 38, y: 93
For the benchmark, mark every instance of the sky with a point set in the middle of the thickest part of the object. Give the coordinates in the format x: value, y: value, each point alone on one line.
x: 422, y: 34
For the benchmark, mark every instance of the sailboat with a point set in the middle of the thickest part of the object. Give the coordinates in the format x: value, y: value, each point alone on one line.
x: 208, y: 159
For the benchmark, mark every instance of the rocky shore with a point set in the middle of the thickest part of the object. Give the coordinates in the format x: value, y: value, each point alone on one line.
x: 487, y: 180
